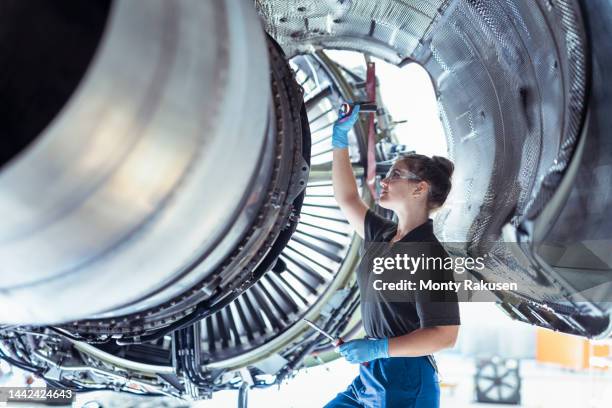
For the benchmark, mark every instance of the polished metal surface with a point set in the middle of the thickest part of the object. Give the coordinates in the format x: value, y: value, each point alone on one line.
x: 114, y: 200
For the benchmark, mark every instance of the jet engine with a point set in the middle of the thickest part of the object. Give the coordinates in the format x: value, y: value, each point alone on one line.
x: 168, y: 217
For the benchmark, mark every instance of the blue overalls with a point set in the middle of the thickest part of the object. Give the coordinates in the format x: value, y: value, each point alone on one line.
x: 396, y: 382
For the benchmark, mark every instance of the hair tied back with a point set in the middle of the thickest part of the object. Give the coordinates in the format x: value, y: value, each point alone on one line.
x: 444, y: 164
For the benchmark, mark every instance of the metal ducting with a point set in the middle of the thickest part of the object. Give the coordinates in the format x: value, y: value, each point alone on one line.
x: 256, y: 320
x: 115, y: 196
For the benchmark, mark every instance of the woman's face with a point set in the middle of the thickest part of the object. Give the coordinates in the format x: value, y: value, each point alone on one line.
x: 401, y: 187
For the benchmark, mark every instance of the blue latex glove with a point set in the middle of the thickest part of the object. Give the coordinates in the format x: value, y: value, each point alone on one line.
x: 342, y: 127
x: 359, y: 351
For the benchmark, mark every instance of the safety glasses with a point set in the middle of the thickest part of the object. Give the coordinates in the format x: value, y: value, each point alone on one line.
x: 400, y: 174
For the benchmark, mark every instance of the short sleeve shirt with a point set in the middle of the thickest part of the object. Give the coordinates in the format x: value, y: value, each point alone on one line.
x: 397, y: 314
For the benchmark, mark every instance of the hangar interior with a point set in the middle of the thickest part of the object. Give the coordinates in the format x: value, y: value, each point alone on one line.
x: 168, y: 217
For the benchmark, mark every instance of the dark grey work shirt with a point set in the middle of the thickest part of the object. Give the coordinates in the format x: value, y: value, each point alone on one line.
x: 390, y: 314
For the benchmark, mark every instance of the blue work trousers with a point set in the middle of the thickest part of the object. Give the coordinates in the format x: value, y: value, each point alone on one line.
x: 396, y: 382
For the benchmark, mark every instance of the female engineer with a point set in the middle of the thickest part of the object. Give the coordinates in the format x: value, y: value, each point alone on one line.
x: 396, y: 368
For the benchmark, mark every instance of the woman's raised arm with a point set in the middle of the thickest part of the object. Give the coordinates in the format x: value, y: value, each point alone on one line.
x: 345, y: 191
x: 343, y: 179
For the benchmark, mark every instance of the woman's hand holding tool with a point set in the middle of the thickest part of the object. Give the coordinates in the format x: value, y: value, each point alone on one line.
x: 339, y: 343
x: 364, y: 350
x: 342, y: 127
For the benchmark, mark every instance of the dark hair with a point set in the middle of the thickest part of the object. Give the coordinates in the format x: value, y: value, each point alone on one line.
x: 436, y: 170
